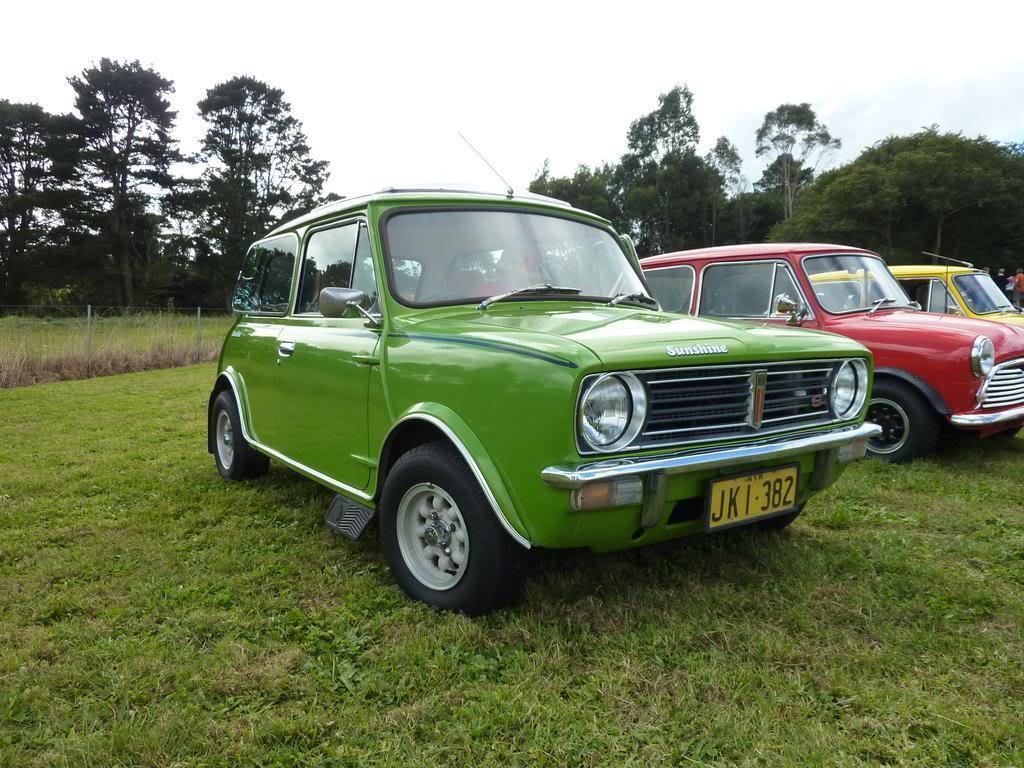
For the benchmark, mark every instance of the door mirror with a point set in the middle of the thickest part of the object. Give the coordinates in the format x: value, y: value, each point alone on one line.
x: 786, y: 305
x: 341, y: 302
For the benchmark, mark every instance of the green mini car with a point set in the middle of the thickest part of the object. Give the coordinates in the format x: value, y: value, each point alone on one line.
x: 487, y: 373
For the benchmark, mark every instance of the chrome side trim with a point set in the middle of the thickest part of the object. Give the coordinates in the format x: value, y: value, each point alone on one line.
x: 986, y: 419
x: 330, y: 482
x: 474, y: 469
x: 676, y: 463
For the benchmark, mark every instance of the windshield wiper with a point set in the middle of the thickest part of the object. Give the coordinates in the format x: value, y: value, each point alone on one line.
x: 877, y: 304
x: 640, y: 299
x: 531, y: 289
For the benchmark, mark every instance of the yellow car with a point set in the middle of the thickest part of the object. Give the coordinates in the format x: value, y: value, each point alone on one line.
x: 957, y: 291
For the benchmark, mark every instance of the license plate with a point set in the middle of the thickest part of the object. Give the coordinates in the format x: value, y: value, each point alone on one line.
x: 751, y: 496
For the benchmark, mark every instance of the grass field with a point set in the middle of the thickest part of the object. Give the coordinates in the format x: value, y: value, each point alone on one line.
x: 34, y: 350
x: 153, y: 614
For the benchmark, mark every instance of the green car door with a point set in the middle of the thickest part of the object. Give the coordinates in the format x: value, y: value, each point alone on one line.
x: 316, y: 407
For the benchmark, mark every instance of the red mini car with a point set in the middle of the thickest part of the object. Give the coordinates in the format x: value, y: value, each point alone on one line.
x: 930, y: 370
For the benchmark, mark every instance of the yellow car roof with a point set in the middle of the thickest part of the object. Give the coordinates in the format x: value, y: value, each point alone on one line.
x: 929, y: 270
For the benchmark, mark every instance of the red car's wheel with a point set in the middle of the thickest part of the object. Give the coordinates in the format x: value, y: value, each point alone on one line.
x: 910, y: 429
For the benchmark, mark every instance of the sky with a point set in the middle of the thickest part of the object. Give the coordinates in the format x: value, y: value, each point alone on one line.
x: 384, y: 88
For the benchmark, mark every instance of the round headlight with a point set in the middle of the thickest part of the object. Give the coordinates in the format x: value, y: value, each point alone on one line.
x: 612, y: 411
x: 983, y: 356
x: 849, y: 388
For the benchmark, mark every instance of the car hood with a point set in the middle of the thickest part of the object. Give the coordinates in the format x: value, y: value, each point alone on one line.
x: 1015, y: 321
x: 1008, y: 339
x: 625, y: 337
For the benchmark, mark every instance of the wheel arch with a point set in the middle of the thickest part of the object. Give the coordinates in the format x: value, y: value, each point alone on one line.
x: 923, y: 388
x: 226, y: 383
x: 432, y: 422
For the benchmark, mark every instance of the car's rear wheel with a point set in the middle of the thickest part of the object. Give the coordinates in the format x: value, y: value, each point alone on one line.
x: 440, y: 535
x: 910, y: 428
x: 235, y: 458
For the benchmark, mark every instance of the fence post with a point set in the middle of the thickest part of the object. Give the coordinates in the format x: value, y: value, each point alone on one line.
x: 88, y: 333
x: 199, y: 333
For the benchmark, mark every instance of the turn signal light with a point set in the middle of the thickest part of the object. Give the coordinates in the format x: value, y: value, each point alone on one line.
x: 854, y: 450
x: 604, y: 494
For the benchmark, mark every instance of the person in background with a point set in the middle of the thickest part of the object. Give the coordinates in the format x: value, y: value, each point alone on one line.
x: 1018, y: 287
x: 1005, y: 283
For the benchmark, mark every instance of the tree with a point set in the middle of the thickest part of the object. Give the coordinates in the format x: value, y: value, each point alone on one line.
x: 940, y: 192
x: 125, y: 124
x: 259, y: 170
x: 669, y: 128
x: 25, y: 172
x: 796, y: 141
x: 589, y: 189
x: 726, y: 180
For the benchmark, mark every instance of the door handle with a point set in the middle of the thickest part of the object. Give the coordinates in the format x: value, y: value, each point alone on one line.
x: 286, y: 348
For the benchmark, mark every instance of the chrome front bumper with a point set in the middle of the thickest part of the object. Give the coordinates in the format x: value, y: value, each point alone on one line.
x: 831, y: 448
x: 571, y: 478
x: 987, y: 419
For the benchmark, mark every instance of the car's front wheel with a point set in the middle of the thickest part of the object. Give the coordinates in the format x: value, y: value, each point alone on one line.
x: 235, y: 458
x: 910, y: 428
x: 440, y: 535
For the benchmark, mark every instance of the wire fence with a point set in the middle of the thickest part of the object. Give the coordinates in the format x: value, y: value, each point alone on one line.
x: 40, y: 343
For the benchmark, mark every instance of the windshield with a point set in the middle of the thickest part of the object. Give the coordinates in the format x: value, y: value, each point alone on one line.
x: 852, y: 282
x: 458, y: 257
x: 982, y: 294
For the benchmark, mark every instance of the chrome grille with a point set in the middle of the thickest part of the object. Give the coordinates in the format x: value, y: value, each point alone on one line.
x: 1005, y: 386
x: 708, y: 403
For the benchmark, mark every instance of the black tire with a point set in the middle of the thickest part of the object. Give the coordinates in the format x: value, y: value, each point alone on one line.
x: 244, y: 461
x: 495, y: 566
x: 780, y: 522
x: 911, y: 425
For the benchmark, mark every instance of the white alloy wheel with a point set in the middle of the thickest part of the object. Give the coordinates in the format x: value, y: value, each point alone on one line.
x: 432, y: 536
x: 225, y: 436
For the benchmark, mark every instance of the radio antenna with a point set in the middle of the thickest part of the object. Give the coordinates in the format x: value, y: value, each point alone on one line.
x: 508, y: 187
x: 948, y: 260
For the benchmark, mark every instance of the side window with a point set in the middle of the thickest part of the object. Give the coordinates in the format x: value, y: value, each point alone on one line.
x: 330, y: 255
x: 940, y: 300
x: 672, y: 287
x: 265, y: 282
x: 920, y: 291
x: 737, y: 290
x: 364, y: 278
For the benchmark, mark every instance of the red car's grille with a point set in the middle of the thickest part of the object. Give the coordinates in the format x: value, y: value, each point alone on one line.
x: 1005, y: 386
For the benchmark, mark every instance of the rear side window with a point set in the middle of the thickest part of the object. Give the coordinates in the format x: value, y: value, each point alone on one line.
x: 672, y: 287
x: 265, y: 282
x: 745, y: 290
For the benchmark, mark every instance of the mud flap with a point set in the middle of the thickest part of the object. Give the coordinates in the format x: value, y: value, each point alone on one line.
x: 348, y: 518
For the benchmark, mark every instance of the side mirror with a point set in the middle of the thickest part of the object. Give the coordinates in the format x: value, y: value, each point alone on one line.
x: 340, y: 302
x: 916, y: 305
x: 785, y: 305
